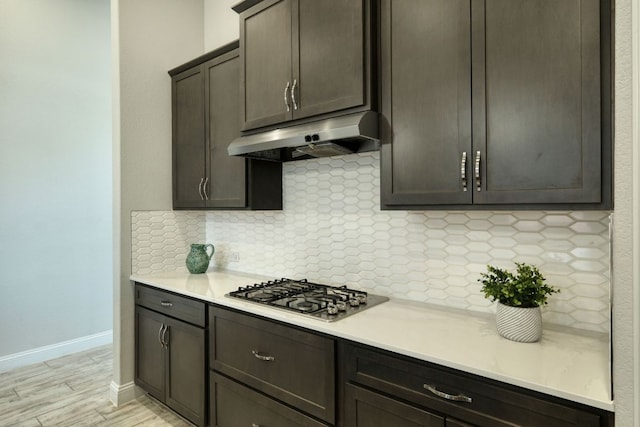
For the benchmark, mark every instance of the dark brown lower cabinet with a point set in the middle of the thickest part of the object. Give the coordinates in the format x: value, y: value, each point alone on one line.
x: 287, y: 364
x: 266, y: 373
x: 382, y: 389
x: 235, y: 405
x: 368, y: 409
x: 170, y: 363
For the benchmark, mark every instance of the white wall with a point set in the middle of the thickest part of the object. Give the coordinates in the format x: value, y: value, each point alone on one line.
x: 626, y: 236
x: 220, y: 23
x: 150, y: 37
x: 55, y: 173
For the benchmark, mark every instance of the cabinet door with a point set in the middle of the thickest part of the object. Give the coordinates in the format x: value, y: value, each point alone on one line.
x: 188, y: 138
x: 536, y: 100
x: 328, y: 56
x: 186, y: 371
x: 426, y: 102
x: 226, y: 186
x: 368, y: 409
x: 265, y: 75
x: 149, y: 358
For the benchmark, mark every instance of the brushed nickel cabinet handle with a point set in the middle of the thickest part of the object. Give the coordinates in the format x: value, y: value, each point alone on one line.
x: 200, y: 188
x: 262, y: 357
x: 463, y: 171
x: 456, y: 398
x: 204, y: 188
x: 165, y: 341
x: 166, y: 303
x: 477, y: 171
x: 286, y: 97
x: 293, y: 94
x: 160, y: 335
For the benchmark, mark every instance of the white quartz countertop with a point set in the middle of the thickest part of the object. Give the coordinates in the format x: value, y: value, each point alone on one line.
x: 563, y: 363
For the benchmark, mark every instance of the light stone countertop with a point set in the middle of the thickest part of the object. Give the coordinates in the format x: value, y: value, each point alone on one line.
x: 564, y: 363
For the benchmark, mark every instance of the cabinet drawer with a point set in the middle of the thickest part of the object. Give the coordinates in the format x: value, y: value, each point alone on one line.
x: 366, y: 408
x: 488, y: 403
x: 233, y: 404
x: 173, y: 305
x: 294, y: 366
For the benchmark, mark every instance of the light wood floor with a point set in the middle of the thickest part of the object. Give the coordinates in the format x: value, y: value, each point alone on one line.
x: 74, y: 391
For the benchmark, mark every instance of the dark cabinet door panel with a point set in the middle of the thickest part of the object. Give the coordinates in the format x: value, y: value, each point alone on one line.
x: 188, y: 138
x: 328, y: 55
x: 265, y: 43
x: 187, y: 372
x: 368, y: 409
x: 150, y: 371
x: 227, y: 184
x: 426, y: 102
x: 537, y: 100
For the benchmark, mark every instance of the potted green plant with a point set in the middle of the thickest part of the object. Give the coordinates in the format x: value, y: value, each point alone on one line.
x: 519, y: 296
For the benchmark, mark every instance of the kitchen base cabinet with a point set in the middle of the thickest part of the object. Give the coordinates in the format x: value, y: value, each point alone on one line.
x: 234, y: 405
x: 364, y: 408
x: 378, y: 384
x: 170, y: 352
x: 293, y: 366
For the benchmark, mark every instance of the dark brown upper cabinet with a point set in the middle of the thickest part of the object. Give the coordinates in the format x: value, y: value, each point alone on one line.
x: 205, y: 107
x: 492, y: 104
x: 303, y: 58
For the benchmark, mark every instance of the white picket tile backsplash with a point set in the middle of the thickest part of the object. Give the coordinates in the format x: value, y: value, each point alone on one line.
x: 160, y: 239
x: 333, y: 231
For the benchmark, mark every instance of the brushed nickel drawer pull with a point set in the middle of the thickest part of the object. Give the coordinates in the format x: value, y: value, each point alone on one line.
x: 166, y: 304
x: 262, y: 357
x: 458, y: 398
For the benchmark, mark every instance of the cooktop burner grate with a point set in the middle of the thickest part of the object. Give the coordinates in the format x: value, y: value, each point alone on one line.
x: 323, y: 302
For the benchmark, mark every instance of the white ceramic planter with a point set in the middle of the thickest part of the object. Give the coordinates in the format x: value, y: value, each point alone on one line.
x: 519, y: 324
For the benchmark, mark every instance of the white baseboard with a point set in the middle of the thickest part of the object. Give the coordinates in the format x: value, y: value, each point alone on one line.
x: 52, y: 351
x: 123, y: 393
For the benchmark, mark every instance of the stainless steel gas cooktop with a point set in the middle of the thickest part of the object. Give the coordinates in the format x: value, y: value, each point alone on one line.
x: 324, y: 302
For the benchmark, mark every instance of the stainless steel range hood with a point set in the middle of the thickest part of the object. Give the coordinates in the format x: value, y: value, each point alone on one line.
x: 353, y: 133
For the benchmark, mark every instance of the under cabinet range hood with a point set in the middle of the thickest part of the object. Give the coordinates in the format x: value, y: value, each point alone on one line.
x: 353, y: 133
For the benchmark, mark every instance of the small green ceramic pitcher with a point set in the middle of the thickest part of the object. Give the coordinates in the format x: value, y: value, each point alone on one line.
x: 198, y: 258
